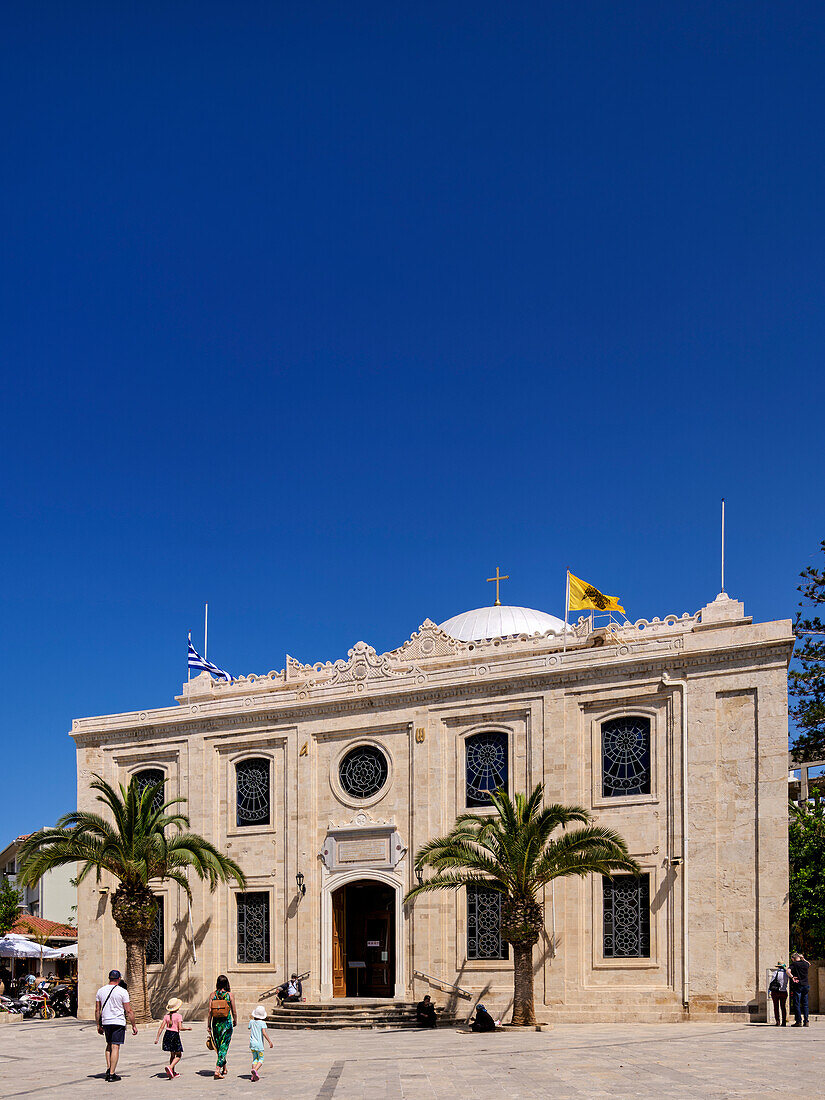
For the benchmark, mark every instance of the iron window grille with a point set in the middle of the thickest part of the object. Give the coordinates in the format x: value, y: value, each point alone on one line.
x: 486, y: 765
x: 484, y: 924
x: 253, y: 928
x: 252, y: 792
x: 626, y: 917
x: 148, y: 778
x: 363, y: 772
x: 626, y: 756
x: 155, y: 946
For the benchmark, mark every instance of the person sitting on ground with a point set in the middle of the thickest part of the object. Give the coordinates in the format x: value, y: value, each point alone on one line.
x: 425, y: 1013
x: 290, y: 991
x: 483, y: 1021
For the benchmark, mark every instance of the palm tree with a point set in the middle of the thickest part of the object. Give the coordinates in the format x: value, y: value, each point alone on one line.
x: 512, y: 853
x: 135, y: 849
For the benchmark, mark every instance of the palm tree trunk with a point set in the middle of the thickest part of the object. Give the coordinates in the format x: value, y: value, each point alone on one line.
x: 136, y: 980
x: 524, y: 1014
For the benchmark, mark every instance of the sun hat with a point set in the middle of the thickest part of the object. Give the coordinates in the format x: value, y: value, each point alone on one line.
x: 259, y: 1013
x: 174, y: 1004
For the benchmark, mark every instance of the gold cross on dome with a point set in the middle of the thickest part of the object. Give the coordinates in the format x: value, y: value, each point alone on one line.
x: 498, y: 578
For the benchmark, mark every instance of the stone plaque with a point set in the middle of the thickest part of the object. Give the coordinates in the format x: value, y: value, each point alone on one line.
x: 364, y: 850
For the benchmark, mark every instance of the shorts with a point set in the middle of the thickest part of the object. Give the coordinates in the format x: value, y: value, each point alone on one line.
x: 171, y: 1042
x: 257, y: 1055
x: 115, y: 1034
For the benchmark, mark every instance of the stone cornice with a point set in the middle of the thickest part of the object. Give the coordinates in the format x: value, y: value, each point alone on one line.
x: 768, y: 645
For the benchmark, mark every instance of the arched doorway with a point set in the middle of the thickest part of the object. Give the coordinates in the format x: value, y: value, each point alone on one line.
x: 363, y: 939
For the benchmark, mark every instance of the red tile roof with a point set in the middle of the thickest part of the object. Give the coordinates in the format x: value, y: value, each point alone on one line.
x: 26, y: 925
x: 21, y: 838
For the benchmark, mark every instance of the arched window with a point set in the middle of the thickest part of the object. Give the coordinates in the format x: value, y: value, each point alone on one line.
x: 486, y: 765
x: 148, y: 778
x: 363, y: 771
x: 252, y: 792
x: 626, y: 756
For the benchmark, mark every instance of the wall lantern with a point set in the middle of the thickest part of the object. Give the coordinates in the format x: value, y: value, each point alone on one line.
x: 419, y: 874
x: 299, y: 878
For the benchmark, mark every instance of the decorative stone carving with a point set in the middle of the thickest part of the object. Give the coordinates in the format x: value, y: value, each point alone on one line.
x: 374, y: 845
x: 427, y: 642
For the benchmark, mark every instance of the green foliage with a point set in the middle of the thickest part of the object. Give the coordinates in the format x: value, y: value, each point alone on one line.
x: 10, y: 902
x: 512, y: 852
x: 806, y: 679
x: 135, y: 847
x: 806, y: 844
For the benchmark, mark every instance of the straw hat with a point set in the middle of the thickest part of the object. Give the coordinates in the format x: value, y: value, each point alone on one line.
x: 259, y: 1013
x: 174, y: 1004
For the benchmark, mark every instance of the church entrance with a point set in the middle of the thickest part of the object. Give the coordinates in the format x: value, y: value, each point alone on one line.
x: 363, y: 940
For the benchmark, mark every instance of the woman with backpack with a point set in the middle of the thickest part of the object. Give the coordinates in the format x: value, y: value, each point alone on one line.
x: 222, y: 1018
x: 778, y: 989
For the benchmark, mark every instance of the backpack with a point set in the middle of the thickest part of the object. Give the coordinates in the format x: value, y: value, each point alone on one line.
x: 776, y: 985
x: 219, y: 1007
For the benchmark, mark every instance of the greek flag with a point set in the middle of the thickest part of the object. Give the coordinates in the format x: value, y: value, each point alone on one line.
x: 202, y: 665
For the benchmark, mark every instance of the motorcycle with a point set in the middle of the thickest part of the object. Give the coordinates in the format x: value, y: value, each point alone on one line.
x: 61, y: 1000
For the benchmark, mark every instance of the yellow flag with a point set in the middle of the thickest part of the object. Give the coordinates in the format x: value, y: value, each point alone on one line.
x: 584, y: 597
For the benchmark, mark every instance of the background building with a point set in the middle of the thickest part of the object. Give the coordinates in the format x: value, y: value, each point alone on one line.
x: 322, y: 780
x: 55, y: 895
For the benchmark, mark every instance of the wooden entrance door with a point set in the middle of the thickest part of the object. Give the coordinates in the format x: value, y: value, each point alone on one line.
x: 339, y: 942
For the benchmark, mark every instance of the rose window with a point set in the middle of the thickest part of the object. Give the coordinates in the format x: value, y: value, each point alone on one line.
x: 363, y: 771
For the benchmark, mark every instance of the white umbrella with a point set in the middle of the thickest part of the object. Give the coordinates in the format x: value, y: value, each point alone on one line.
x: 68, y: 952
x: 13, y: 946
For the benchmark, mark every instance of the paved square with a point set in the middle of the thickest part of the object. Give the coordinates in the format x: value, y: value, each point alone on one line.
x: 571, y: 1062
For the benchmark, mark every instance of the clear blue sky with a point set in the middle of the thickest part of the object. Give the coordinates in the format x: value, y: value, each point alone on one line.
x: 319, y: 312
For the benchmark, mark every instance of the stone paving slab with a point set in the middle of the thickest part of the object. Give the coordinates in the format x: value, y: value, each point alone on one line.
x: 64, y: 1058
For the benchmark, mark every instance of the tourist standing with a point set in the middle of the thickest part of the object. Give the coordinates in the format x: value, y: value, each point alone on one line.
x: 222, y: 1019
x: 800, y: 989
x: 172, y: 1024
x: 778, y: 989
x: 257, y: 1034
x: 112, y: 1008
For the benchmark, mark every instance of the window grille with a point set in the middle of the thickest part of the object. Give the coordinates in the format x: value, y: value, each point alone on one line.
x: 155, y: 947
x: 148, y: 778
x: 486, y: 766
x: 626, y: 756
x: 626, y: 917
x: 253, y: 928
x: 252, y: 782
x: 363, y: 771
x: 484, y: 924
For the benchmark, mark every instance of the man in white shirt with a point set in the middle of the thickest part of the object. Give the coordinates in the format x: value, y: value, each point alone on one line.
x: 111, y: 1009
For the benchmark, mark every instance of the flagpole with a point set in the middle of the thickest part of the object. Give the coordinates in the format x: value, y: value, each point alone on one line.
x: 205, y: 627
x: 723, y: 544
x: 566, y: 605
x: 188, y: 669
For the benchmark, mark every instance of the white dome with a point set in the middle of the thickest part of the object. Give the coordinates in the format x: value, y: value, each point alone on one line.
x: 500, y: 622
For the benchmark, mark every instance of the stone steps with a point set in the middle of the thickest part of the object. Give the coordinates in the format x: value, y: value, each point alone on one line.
x: 390, y: 1014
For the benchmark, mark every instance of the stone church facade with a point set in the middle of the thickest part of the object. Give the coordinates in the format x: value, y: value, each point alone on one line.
x: 323, y: 780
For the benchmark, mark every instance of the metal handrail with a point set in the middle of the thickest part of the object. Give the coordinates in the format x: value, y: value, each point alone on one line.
x: 275, y: 988
x: 443, y: 984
